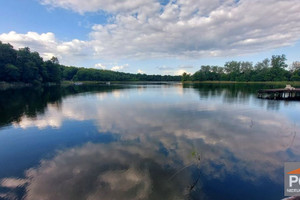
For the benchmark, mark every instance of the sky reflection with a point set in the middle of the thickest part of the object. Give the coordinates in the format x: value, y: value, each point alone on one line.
x: 170, y: 145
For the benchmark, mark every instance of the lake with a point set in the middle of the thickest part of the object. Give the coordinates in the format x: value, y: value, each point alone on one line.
x: 145, y: 141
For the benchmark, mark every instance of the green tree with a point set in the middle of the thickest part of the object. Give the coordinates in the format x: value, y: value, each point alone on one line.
x: 278, y: 61
x: 295, y: 66
x: 54, y: 60
x: 232, y: 69
x: 295, y: 77
x: 246, y: 71
x: 186, y: 77
x: 277, y: 71
x: 27, y: 65
x: 69, y: 72
x: 53, y: 72
x: 7, y: 56
x: 12, y: 73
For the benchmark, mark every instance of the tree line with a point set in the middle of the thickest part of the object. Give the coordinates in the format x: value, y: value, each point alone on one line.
x: 274, y: 69
x: 29, y: 67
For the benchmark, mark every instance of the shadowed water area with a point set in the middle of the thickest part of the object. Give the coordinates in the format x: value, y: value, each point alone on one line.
x: 145, y: 141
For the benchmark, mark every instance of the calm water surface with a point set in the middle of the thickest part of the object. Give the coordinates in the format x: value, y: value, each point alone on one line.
x: 165, y: 141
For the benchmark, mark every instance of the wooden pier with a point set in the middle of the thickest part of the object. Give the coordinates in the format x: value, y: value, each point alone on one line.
x: 287, y: 93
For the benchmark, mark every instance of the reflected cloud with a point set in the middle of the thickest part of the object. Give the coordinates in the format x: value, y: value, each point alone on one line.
x: 259, y: 142
x: 259, y: 139
x: 52, y: 118
x: 12, y: 182
x: 97, y: 171
x: 157, y: 139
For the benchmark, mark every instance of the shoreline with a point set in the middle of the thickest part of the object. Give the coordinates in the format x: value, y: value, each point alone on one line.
x: 296, y: 83
x: 8, y: 85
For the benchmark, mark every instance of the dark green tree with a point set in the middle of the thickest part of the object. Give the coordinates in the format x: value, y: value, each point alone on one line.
x: 69, y: 72
x: 185, y: 77
x: 12, y: 73
x: 7, y: 56
x: 53, y: 72
x: 232, y: 70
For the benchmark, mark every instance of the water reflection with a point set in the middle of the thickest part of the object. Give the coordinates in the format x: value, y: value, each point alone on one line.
x: 114, y: 171
x: 30, y: 102
x: 236, y: 93
x: 170, y: 145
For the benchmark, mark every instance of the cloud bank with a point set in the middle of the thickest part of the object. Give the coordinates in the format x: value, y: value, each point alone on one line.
x: 48, y: 45
x: 181, y: 29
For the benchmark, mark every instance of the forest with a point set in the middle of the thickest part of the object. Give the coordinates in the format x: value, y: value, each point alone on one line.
x: 274, y: 69
x: 29, y: 67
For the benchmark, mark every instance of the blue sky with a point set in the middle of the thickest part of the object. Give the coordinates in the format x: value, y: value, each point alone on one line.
x: 154, y: 37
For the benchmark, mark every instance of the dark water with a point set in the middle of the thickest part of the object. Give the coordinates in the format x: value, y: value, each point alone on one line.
x: 145, y: 142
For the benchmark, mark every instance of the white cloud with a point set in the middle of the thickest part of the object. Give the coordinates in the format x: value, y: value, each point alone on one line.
x: 180, y: 29
x: 44, y: 43
x: 119, y: 67
x: 100, y: 66
x: 140, y: 71
x: 189, y: 29
x: 104, y: 5
x: 180, y: 72
x: 47, y: 45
